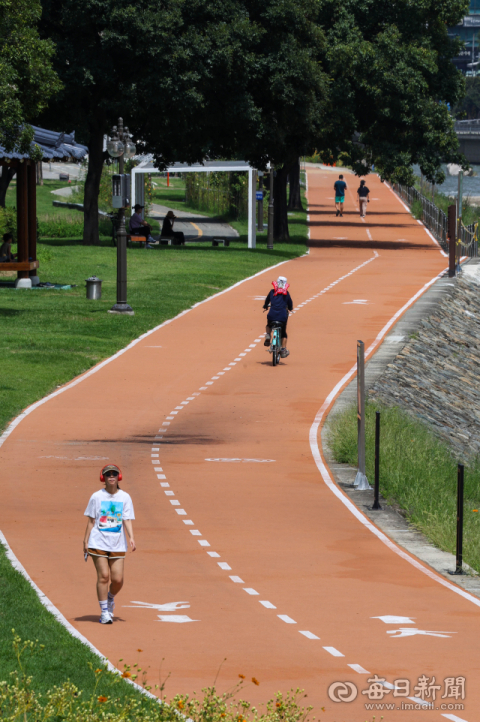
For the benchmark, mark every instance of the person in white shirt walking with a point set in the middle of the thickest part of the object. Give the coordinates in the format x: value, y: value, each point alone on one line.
x: 110, y: 513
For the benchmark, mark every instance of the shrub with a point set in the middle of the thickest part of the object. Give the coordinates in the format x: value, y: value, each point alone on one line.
x: 417, y: 210
x: 19, y: 701
x: 8, y: 221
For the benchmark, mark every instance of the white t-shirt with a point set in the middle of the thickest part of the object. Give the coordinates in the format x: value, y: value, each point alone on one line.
x: 109, y: 512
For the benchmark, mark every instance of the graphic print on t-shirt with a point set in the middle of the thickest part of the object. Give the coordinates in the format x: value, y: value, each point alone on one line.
x: 111, y: 513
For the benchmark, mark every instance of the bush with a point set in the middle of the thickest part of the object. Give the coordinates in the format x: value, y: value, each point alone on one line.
x: 8, y: 221
x: 68, y: 227
x: 19, y: 701
x: 417, y: 210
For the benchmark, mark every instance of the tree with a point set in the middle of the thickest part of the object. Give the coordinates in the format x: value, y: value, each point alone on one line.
x: 27, y: 79
x: 392, y: 80
x: 192, y: 78
x: 469, y: 107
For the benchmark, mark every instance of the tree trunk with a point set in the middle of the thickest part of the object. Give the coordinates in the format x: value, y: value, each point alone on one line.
x: 295, y: 198
x: 5, y: 178
x: 280, y: 217
x: 92, y: 185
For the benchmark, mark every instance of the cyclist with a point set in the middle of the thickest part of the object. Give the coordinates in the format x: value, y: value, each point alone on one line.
x: 278, y: 303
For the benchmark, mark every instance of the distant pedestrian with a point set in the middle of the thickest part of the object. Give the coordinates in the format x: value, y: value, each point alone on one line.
x: 110, y: 513
x: 363, y: 194
x: 340, y: 187
x: 167, y: 228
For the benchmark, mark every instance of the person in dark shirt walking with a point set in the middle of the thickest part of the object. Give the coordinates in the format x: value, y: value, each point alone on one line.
x: 363, y: 194
x: 278, y: 303
x: 340, y: 187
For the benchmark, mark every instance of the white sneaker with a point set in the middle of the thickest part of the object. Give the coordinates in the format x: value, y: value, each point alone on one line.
x: 111, y: 606
x: 105, y: 618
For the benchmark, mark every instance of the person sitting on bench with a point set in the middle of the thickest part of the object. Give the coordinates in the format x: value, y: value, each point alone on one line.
x: 138, y: 227
x: 167, y: 228
x: 6, y: 254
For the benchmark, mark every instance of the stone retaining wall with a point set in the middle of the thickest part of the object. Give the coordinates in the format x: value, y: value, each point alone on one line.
x: 436, y: 376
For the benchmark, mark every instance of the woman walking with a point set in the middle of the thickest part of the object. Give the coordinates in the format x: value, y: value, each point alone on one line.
x: 363, y: 194
x: 110, y: 513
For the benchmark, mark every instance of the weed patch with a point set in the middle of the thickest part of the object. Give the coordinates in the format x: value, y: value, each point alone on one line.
x: 418, y: 472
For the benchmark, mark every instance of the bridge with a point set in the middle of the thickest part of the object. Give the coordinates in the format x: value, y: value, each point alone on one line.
x: 468, y: 133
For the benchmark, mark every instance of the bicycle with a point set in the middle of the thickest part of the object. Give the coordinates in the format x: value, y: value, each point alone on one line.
x: 276, y: 342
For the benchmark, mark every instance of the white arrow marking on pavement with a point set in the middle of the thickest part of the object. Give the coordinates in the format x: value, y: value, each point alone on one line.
x: 168, y: 607
x: 358, y: 302
x: 257, y: 461
x: 392, y: 619
x: 412, y: 631
x: 177, y: 618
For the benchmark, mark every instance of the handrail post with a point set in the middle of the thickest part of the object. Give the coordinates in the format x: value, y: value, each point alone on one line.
x: 361, y: 482
x: 459, y: 549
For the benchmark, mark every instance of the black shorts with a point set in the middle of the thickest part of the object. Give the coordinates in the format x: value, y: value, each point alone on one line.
x: 283, y: 324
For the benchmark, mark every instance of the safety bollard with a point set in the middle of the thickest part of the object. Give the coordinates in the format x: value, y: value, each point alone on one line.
x: 376, y: 494
x: 459, y: 554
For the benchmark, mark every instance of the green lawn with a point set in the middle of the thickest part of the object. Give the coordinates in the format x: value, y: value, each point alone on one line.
x: 418, y: 472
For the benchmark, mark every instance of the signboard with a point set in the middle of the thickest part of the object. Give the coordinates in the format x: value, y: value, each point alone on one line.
x: 259, y: 195
x: 471, y: 21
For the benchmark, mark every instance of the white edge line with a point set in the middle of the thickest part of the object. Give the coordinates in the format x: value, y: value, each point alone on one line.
x: 63, y: 621
x: 133, y: 343
x: 340, y: 494
x: 422, y: 224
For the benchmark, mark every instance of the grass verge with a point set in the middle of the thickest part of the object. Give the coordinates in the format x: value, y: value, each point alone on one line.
x: 417, y: 472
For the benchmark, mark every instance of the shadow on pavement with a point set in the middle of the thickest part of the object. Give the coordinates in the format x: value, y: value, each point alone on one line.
x: 375, y: 245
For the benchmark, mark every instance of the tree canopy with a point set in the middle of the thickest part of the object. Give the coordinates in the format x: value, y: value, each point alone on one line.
x: 392, y: 80
x: 368, y: 80
x: 27, y: 79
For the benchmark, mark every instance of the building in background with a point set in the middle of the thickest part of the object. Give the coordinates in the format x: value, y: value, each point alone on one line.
x: 469, y: 31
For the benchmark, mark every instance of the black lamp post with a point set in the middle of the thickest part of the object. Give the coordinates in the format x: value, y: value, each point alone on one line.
x: 120, y: 146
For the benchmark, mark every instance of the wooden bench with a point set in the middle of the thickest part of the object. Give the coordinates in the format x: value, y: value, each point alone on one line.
x: 136, y: 239
x: 19, y: 266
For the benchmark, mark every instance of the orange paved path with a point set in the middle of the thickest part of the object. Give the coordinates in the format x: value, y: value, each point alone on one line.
x: 276, y: 524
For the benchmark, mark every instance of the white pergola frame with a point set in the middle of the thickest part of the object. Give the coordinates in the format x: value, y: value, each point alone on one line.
x: 147, y: 166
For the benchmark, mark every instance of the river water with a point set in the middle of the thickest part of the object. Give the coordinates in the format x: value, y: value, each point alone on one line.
x: 471, y: 184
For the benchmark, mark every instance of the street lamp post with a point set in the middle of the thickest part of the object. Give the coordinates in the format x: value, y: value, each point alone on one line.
x: 120, y: 146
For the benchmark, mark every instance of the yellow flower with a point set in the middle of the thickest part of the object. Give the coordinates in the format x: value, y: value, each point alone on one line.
x: 97, y: 671
x: 102, y: 698
x: 278, y: 704
x: 474, y: 509
x: 139, y: 650
x: 242, y: 676
x: 126, y: 675
x: 255, y: 681
x: 180, y: 704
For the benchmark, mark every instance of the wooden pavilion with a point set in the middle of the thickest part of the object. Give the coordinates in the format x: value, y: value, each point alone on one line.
x: 55, y: 146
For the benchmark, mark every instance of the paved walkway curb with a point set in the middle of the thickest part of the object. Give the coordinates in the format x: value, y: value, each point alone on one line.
x: 389, y: 519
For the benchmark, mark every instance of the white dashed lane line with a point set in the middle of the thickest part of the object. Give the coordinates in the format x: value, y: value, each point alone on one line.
x: 358, y: 668
x: 334, y: 652
x: 309, y: 635
x: 155, y: 459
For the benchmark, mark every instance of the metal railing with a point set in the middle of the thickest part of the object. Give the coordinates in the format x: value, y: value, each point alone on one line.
x: 436, y: 221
